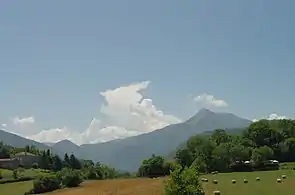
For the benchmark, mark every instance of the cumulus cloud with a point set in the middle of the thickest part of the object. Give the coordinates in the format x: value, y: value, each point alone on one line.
x: 23, y: 121
x: 272, y: 116
x: 127, y: 113
x: 209, y: 100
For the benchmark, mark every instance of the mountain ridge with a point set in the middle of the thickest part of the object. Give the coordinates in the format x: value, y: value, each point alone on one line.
x: 127, y: 154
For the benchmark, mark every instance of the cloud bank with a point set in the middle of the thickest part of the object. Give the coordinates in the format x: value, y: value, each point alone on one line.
x: 210, y: 101
x: 127, y: 113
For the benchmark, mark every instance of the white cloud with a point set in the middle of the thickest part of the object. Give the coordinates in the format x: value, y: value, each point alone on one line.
x: 4, y: 125
x: 272, y: 116
x: 209, y: 100
x: 23, y: 121
x: 127, y: 114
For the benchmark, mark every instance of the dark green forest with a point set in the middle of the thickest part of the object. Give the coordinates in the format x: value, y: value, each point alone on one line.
x: 221, y: 151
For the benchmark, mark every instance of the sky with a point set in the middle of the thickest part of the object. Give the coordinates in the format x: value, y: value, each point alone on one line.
x: 92, y: 71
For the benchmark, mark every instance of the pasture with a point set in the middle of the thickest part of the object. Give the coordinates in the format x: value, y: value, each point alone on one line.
x: 8, y: 174
x: 17, y: 188
x: 267, y: 185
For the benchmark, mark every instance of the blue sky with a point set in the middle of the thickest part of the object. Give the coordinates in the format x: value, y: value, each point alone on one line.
x: 56, y: 57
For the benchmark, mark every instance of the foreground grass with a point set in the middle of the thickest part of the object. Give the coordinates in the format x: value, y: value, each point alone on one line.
x: 8, y: 174
x: 18, y: 188
x: 268, y: 184
x: 116, y: 187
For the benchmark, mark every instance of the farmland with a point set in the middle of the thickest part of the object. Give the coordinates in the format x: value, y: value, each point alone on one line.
x: 8, y: 174
x: 267, y: 185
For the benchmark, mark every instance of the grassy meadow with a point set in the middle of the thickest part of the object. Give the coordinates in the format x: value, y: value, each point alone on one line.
x: 17, y: 188
x: 267, y: 185
x: 8, y: 174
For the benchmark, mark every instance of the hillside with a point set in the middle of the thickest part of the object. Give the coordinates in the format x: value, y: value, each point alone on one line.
x: 127, y: 154
x: 18, y: 141
x: 66, y: 146
x: 21, y: 142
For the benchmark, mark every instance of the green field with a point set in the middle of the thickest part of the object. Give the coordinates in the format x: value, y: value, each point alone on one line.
x: 17, y: 188
x: 266, y: 186
x: 8, y: 174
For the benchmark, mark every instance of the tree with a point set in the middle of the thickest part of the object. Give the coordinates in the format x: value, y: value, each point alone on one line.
x: 74, y: 162
x: 261, y: 154
x: 219, y: 136
x: 263, y: 134
x: 153, y: 167
x: 57, y: 163
x: 45, y: 162
x: 66, y: 160
x: 183, y: 182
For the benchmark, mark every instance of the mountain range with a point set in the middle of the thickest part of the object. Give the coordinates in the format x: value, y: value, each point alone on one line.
x: 127, y: 154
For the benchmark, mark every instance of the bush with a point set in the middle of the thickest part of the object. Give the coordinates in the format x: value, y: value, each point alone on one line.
x: 283, y: 176
x: 1, y: 177
x: 45, y: 184
x: 15, y: 174
x: 16, y: 180
x: 233, y: 181
x: 216, y: 192
x: 257, y: 179
x: 215, y: 181
x: 183, y: 181
x: 35, y: 166
x: 279, y: 180
x: 70, y: 178
x: 245, y: 181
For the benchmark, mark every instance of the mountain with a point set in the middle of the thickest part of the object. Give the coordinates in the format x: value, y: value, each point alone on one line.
x: 50, y: 144
x: 66, y: 146
x: 21, y: 142
x: 127, y: 154
x: 18, y: 141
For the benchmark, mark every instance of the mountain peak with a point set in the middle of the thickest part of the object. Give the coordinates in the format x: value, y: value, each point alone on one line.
x: 205, y: 111
x: 202, y: 113
x: 65, y: 142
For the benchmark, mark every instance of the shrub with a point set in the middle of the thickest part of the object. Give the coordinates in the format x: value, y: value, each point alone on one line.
x: 279, y: 180
x: 1, y: 177
x: 15, y: 174
x: 233, y: 181
x: 35, y: 166
x: 283, y: 176
x: 245, y: 181
x: 16, y: 180
x: 45, y: 184
x: 257, y: 178
x: 183, y: 181
x: 70, y: 178
x: 215, y: 181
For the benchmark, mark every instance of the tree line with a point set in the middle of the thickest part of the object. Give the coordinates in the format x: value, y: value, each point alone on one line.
x: 261, y: 142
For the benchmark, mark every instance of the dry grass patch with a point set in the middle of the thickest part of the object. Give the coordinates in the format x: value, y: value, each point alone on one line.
x: 117, y: 187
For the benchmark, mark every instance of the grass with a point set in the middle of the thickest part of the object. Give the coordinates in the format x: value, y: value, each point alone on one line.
x: 116, y: 187
x: 8, y: 174
x: 267, y: 185
x: 17, y: 188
